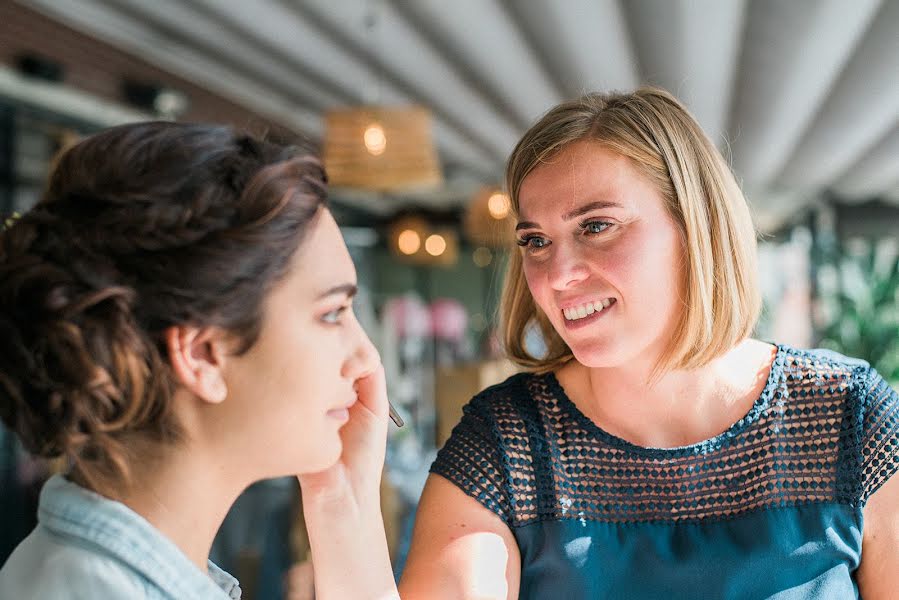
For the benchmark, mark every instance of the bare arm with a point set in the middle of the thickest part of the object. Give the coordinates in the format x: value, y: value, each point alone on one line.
x: 460, y: 549
x: 878, y: 573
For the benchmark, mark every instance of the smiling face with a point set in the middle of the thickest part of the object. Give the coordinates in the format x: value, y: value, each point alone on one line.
x: 289, y: 392
x: 601, y: 255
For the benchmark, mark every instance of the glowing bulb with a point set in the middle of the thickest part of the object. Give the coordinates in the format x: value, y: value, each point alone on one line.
x: 435, y: 245
x: 375, y: 139
x: 408, y: 242
x: 498, y: 205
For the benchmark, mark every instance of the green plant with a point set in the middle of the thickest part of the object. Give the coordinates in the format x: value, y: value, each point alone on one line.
x: 864, y: 308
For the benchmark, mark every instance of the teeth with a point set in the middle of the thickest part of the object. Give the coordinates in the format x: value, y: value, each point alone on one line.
x: 579, y: 312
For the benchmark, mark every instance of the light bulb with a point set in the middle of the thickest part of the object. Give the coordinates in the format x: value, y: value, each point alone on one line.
x: 498, y: 205
x: 408, y: 242
x: 435, y: 244
x: 375, y: 139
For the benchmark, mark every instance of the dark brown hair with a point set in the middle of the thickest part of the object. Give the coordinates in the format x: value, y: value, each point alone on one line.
x: 142, y: 227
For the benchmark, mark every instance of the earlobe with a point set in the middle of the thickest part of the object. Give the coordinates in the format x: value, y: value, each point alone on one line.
x: 215, y: 390
x: 196, y: 357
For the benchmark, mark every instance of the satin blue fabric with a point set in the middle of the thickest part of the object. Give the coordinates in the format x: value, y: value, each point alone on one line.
x: 789, y: 553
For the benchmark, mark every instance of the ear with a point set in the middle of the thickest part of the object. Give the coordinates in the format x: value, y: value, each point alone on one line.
x: 197, y: 357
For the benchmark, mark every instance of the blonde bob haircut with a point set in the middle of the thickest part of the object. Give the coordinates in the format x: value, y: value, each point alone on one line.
x: 721, y: 302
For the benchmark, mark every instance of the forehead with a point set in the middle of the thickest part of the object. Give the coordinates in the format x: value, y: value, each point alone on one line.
x: 583, y: 171
x: 322, y: 261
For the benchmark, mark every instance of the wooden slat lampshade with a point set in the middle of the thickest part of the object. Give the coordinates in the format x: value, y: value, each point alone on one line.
x: 381, y: 148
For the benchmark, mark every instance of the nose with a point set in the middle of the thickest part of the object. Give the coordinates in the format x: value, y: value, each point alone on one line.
x: 364, y: 358
x: 566, y: 269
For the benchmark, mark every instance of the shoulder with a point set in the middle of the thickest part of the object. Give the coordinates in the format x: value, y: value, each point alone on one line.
x: 815, y: 359
x: 848, y: 397
x: 47, y: 566
x: 512, y: 390
x: 510, y: 406
x: 832, y: 378
x: 819, y: 370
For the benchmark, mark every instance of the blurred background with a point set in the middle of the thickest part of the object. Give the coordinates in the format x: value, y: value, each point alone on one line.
x: 415, y: 105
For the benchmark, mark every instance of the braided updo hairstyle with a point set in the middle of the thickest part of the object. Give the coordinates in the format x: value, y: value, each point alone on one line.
x: 142, y: 227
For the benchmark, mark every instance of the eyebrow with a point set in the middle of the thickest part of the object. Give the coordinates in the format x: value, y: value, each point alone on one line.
x: 582, y: 210
x: 349, y: 289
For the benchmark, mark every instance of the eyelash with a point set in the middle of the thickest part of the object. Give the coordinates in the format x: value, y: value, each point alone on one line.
x: 525, y: 242
x: 332, y: 317
x: 586, y: 224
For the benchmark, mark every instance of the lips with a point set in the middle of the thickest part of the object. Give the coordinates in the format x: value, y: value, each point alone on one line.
x: 342, y: 412
x: 573, y: 319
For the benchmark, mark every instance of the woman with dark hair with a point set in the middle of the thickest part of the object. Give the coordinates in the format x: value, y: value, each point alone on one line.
x: 175, y: 317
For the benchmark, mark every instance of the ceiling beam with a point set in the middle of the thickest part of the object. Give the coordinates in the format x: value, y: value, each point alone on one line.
x: 691, y: 48
x: 404, y: 54
x: 480, y: 37
x: 95, y: 18
x: 349, y: 75
x: 875, y: 173
x: 585, y: 43
x: 862, y: 106
x: 793, y: 53
x: 202, y: 29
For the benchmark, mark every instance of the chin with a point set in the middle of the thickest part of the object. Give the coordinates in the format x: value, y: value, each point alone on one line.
x: 321, y: 458
x: 599, y: 354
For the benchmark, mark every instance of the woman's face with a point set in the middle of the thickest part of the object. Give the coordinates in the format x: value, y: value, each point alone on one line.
x: 601, y: 255
x: 290, y: 391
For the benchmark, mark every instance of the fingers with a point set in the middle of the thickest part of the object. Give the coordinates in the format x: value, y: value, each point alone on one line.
x: 371, y: 392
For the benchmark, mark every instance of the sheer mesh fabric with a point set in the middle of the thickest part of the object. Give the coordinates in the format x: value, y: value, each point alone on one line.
x: 825, y: 429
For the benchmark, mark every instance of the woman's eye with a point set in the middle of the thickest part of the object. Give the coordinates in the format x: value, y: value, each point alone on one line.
x: 595, y: 226
x: 533, y: 242
x: 333, y: 317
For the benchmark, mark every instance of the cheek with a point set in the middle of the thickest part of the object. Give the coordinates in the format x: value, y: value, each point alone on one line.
x: 535, y: 277
x: 530, y: 275
x: 300, y: 357
x: 648, y: 262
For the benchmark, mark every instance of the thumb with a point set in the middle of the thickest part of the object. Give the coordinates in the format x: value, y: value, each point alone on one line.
x: 371, y: 391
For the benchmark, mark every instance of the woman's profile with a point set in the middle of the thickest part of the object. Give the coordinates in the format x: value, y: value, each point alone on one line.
x: 176, y: 321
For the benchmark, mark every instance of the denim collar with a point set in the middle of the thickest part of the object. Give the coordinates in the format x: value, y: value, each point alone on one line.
x: 112, y: 528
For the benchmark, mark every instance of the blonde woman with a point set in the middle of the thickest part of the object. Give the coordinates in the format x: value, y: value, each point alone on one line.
x: 655, y: 451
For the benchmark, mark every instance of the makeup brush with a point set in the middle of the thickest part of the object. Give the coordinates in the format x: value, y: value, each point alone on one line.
x: 395, y: 416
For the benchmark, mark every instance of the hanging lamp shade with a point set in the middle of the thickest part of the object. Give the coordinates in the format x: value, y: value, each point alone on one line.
x: 381, y: 148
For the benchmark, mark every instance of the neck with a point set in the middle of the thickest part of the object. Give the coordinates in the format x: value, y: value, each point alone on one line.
x: 679, y: 407
x: 185, y: 494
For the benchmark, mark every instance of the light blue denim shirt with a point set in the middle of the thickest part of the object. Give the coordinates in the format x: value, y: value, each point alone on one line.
x: 87, y: 546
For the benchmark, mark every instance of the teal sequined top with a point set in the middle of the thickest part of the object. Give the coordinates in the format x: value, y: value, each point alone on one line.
x: 771, y: 508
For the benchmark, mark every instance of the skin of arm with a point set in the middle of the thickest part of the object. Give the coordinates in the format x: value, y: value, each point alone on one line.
x: 460, y: 549
x: 877, y: 573
x: 342, y: 506
x: 350, y: 552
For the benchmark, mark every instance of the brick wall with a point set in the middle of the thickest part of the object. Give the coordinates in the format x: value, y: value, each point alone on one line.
x: 98, y: 68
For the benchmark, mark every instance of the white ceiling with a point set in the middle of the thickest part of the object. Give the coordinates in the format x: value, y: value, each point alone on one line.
x: 802, y: 95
